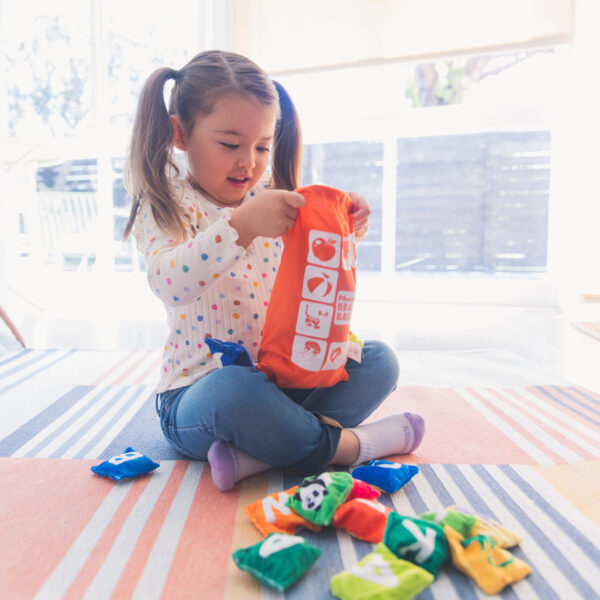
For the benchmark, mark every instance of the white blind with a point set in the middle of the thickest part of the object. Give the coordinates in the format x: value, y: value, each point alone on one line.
x: 291, y: 35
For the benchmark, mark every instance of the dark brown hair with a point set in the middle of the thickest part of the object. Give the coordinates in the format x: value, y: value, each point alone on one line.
x: 197, y: 87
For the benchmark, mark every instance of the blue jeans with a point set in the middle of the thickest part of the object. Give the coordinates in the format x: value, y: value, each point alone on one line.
x: 240, y: 406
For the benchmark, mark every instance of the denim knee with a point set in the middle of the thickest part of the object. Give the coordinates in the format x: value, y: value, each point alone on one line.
x: 382, y: 363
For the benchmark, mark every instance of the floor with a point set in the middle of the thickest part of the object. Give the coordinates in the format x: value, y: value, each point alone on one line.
x: 89, y: 311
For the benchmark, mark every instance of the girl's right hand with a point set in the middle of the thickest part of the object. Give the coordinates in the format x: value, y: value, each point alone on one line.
x: 268, y: 214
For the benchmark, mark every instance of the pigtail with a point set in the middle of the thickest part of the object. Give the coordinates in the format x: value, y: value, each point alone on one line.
x: 150, y: 163
x: 287, y: 144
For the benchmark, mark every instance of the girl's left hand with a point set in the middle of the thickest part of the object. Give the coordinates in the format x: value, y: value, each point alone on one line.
x: 360, y: 210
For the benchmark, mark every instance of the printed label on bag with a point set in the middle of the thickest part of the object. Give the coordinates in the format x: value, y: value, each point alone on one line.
x: 314, y: 319
x: 319, y: 284
x: 338, y: 352
x: 324, y: 248
x: 308, y: 353
x: 343, y: 307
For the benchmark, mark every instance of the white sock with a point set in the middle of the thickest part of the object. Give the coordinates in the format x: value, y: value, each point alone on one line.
x: 229, y: 464
x: 399, y: 433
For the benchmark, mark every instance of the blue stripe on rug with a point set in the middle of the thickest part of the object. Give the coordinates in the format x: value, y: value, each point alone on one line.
x: 537, y: 580
x: 11, y: 443
x: 12, y: 357
x: 555, y: 555
x: 464, y: 586
x: 36, y: 357
x: 417, y: 503
x: 563, y: 392
x: 426, y: 594
x: 477, y: 502
x: 33, y: 373
x: 82, y: 409
x: 144, y: 434
x: 583, y: 393
x: 577, y: 536
x: 437, y: 486
x: 567, y: 406
x: 82, y: 430
x: 107, y: 426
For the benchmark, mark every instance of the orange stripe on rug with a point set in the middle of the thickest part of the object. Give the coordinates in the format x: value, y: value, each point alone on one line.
x: 154, y: 367
x: 98, y: 555
x: 239, y: 583
x: 474, y: 440
x: 123, y: 376
x: 512, y: 422
x: 108, y: 372
x: 200, y: 562
x: 557, y: 429
x: 44, y: 506
x: 579, y: 483
x: 132, y: 571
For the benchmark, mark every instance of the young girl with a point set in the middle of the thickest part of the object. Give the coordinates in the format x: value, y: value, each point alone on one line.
x: 212, y: 248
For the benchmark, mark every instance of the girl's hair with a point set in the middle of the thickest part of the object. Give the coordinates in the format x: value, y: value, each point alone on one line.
x: 197, y: 87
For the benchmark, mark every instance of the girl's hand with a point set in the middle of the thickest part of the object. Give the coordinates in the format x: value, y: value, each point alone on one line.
x: 360, y: 210
x: 269, y: 214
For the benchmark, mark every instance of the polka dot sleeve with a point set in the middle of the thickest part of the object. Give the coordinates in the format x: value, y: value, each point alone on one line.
x: 178, y: 274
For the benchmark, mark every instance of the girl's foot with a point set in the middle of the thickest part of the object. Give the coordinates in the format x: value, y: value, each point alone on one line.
x: 229, y: 464
x: 399, y: 433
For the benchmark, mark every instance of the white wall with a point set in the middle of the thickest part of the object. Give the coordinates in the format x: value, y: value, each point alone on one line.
x: 575, y: 199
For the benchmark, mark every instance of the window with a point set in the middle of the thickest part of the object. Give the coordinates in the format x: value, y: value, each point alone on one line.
x: 454, y: 156
x: 74, y: 75
x: 355, y: 166
x: 473, y: 203
x: 394, y: 112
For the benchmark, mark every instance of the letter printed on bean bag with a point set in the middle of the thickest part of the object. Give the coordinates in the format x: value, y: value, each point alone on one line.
x: 272, y: 515
x: 279, y: 560
x: 419, y: 541
x: 491, y: 566
x: 380, y: 575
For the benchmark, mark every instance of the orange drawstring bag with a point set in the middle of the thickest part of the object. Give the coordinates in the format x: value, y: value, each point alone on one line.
x: 305, y: 336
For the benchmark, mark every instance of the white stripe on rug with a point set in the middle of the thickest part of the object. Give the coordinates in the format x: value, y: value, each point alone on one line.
x: 107, y: 407
x: 586, y: 567
x: 443, y: 586
x: 537, y: 554
x: 532, y: 428
x: 69, y: 567
x: 525, y: 590
x: 109, y: 573
x: 156, y: 570
x: 90, y: 398
x: 563, y: 416
x: 125, y: 418
x: 30, y: 370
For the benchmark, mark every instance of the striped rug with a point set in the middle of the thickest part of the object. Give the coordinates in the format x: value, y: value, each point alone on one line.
x: 514, y: 444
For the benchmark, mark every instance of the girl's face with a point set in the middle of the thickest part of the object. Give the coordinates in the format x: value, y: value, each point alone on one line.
x: 228, y: 150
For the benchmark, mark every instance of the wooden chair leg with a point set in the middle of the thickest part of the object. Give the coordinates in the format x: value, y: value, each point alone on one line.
x: 12, y: 327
